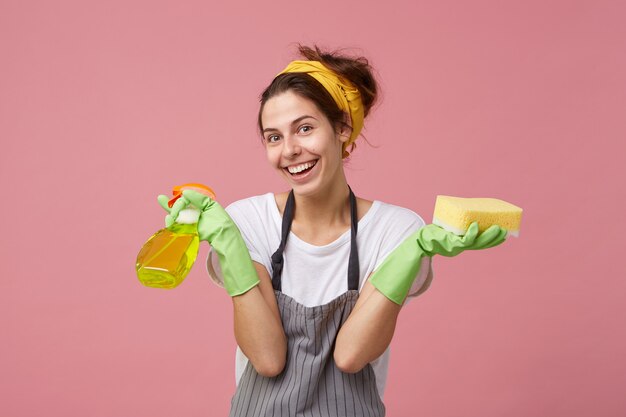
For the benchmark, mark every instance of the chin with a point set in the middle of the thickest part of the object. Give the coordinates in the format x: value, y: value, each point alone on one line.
x: 306, y: 190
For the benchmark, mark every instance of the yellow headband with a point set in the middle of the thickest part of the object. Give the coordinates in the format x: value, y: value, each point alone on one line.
x: 345, y: 94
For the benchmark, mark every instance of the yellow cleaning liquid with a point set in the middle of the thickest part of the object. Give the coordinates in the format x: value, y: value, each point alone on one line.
x: 167, y: 257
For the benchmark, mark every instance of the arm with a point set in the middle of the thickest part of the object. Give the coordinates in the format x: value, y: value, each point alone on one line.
x: 258, y: 328
x: 367, y: 332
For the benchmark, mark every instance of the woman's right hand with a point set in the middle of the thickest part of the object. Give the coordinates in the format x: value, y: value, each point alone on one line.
x: 213, y: 217
x: 217, y: 228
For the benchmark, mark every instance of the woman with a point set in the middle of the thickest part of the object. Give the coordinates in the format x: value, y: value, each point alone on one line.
x: 313, y: 326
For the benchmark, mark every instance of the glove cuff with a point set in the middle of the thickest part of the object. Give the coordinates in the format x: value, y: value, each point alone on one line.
x: 395, y: 276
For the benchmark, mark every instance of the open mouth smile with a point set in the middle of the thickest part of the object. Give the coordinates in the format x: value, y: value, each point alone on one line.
x: 301, y: 170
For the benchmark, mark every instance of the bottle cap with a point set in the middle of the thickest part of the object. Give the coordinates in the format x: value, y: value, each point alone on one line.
x: 177, y: 192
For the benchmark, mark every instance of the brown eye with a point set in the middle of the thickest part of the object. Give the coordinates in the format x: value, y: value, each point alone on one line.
x: 271, y: 137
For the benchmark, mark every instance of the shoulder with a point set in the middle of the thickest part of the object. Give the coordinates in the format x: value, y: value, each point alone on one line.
x: 253, y: 213
x: 363, y: 206
x: 390, y: 226
x: 280, y: 199
x: 390, y: 216
x: 387, y: 226
x: 257, y: 220
x: 258, y: 203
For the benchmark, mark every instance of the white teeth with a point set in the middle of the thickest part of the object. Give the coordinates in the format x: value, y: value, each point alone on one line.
x: 302, y: 167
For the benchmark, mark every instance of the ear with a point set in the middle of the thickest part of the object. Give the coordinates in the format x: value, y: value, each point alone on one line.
x: 343, y: 132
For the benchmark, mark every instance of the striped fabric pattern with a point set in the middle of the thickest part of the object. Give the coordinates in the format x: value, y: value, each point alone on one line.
x: 311, y: 384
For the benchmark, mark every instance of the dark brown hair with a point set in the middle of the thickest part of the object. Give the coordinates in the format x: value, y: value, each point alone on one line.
x: 355, y: 69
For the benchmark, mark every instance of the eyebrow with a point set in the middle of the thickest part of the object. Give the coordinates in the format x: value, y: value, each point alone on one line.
x: 271, y: 129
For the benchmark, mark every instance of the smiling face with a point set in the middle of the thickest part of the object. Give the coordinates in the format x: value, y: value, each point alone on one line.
x: 301, y: 144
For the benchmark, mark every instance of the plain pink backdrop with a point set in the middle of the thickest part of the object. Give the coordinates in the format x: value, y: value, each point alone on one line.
x: 105, y: 105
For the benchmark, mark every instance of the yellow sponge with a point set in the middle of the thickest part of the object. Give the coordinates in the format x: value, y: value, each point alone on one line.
x: 455, y: 214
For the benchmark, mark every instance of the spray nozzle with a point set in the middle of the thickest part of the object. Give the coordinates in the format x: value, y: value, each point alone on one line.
x: 177, y: 192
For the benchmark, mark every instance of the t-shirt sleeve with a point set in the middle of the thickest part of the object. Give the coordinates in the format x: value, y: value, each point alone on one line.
x: 423, y: 280
x: 249, y: 223
x: 403, y: 224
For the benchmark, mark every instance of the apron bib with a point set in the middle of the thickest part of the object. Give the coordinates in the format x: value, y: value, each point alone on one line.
x: 311, y: 384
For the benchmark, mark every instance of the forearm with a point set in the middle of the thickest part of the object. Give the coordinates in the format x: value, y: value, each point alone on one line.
x: 258, y: 330
x: 367, y: 332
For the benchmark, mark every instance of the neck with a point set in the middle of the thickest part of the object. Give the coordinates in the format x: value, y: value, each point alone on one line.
x: 328, y: 209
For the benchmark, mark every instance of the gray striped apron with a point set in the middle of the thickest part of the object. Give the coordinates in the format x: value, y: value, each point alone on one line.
x: 310, y: 384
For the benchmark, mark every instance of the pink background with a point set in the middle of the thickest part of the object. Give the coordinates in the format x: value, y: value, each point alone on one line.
x: 105, y: 105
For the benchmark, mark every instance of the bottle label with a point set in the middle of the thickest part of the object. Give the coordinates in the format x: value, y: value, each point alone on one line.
x: 188, y: 216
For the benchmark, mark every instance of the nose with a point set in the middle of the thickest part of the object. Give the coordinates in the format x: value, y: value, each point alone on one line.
x: 291, y: 146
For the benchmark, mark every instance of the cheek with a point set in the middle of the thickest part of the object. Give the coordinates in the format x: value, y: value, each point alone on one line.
x: 273, y: 156
x: 314, y: 150
x: 316, y: 147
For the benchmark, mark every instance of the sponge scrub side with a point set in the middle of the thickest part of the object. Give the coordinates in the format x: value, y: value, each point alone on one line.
x: 455, y: 214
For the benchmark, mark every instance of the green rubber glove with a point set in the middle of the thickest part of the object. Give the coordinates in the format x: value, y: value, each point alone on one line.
x: 218, y: 228
x: 396, y: 274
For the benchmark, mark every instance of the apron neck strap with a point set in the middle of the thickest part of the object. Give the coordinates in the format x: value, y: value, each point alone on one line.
x: 277, y: 257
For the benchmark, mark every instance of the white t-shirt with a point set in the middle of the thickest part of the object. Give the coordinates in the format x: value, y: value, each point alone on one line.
x: 314, y: 275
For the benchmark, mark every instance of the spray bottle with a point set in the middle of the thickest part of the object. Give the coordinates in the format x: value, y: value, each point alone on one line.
x: 167, y: 257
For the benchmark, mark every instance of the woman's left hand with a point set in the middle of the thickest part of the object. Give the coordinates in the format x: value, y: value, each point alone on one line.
x: 434, y: 240
x: 396, y: 274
